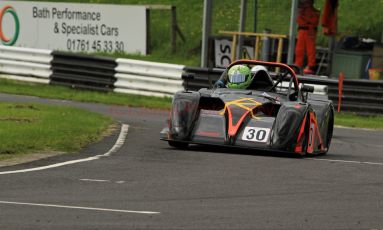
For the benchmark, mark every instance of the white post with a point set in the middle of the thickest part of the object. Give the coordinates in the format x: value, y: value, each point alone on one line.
x: 292, y: 31
x: 242, y: 23
x: 206, y: 30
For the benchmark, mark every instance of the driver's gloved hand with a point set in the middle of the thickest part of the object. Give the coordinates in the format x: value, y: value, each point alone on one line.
x: 219, y: 84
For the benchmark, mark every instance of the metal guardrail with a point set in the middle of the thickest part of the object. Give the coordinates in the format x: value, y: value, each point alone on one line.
x: 157, y: 79
x: 203, y: 77
x: 95, y: 73
x: 83, y: 71
x: 32, y: 65
x: 360, y: 96
x: 148, y: 78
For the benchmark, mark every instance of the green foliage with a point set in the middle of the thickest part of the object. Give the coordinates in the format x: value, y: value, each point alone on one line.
x: 356, y: 17
x: 361, y: 17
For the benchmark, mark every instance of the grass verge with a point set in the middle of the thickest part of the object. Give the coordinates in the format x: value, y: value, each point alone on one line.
x: 355, y: 121
x: 30, y: 128
x: 65, y: 93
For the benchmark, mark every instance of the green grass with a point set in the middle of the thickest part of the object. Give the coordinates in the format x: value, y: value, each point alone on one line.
x: 30, y: 127
x: 65, y: 93
x: 353, y: 120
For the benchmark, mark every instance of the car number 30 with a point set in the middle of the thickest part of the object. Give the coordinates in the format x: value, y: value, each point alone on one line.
x: 256, y: 134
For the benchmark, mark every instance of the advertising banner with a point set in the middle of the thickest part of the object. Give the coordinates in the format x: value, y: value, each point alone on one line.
x: 223, y: 53
x: 73, y: 26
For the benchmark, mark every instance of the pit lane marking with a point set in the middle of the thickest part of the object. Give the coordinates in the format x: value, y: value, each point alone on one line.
x: 345, y: 161
x: 79, y: 207
x: 119, y: 143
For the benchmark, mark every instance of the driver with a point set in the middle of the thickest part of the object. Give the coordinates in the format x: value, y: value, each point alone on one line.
x: 238, y: 77
x: 241, y: 77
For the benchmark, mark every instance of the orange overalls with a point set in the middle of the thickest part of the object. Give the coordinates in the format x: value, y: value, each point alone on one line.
x: 329, y: 18
x: 308, y: 19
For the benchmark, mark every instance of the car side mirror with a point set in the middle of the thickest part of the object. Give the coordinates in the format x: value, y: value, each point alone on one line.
x: 307, y: 88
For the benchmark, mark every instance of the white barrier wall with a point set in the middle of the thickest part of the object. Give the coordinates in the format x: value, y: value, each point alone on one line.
x: 132, y: 76
x: 25, y: 64
x: 148, y: 78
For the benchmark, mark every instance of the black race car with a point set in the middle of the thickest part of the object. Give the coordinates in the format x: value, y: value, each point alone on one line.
x: 274, y: 114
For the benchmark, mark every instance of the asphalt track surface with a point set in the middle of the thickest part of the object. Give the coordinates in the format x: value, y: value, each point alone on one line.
x: 147, y: 185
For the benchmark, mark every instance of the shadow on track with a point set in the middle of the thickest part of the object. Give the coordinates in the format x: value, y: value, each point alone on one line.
x: 236, y: 150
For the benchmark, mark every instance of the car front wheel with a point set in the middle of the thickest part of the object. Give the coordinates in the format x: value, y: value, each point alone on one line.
x: 179, y: 145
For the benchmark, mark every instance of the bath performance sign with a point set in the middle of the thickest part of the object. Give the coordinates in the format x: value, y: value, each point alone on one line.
x: 74, y: 27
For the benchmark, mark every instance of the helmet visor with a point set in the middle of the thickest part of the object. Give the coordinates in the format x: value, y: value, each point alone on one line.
x: 237, y: 78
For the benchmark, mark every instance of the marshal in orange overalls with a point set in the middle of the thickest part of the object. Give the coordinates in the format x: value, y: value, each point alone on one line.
x: 308, y: 20
x: 329, y: 18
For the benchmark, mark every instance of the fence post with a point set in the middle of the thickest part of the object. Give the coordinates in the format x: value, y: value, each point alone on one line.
x: 174, y: 29
x: 340, y: 89
x: 265, y: 46
x: 206, y: 30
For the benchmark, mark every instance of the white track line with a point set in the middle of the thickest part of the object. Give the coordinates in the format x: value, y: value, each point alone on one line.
x: 79, y: 207
x: 94, y: 180
x: 119, y: 143
x: 344, y: 161
x: 102, y: 181
x: 364, y: 129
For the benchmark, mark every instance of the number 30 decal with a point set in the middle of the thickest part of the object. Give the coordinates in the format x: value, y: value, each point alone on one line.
x: 256, y: 134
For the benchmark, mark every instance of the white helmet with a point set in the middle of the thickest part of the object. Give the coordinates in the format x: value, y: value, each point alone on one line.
x: 257, y: 68
x: 262, y: 79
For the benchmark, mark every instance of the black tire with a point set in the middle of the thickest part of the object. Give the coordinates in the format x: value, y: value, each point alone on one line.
x: 179, y: 145
x: 330, y: 130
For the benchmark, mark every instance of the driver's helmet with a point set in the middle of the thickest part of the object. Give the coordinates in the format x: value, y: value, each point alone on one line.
x: 239, y: 77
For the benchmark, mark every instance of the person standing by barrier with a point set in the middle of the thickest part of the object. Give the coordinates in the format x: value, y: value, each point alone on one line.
x: 329, y: 18
x: 308, y: 20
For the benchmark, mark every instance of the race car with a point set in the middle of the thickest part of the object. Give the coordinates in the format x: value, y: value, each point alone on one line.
x: 274, y: 113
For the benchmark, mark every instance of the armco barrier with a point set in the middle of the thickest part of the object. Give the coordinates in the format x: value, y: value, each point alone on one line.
x: 83, y: 71
x: 157, y: 79
x: 148, y: 78
x: 32, y: 65
x: 360, y: 96
x: 203, y: 77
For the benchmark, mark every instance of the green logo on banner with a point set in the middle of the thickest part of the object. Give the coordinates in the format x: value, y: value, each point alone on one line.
x: 5, y: 40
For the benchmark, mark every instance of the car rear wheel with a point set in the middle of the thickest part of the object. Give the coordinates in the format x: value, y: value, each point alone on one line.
x: 329, y: 133
x: 179, y: 145
x: 330, y: 129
